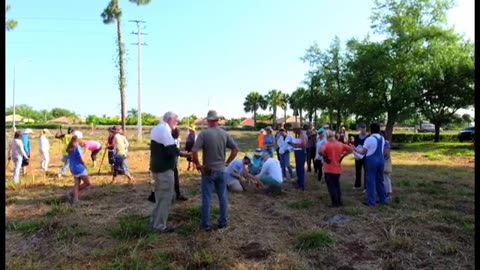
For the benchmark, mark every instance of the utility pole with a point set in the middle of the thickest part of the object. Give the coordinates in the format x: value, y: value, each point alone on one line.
x: 139, y: 44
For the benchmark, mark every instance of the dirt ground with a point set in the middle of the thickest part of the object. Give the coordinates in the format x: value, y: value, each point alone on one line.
x: 429, y: 223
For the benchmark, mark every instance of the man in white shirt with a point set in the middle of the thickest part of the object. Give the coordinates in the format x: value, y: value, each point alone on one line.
x: 270, y: 176
x: 318, y: 158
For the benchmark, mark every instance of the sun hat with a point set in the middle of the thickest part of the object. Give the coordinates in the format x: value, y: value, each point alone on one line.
x: 191, y: 128
x: 258, y: 152
x: 77, y: 134
x: 27, y: 131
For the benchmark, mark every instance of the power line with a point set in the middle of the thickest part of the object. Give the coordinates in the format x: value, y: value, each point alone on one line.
x: 139, y: 44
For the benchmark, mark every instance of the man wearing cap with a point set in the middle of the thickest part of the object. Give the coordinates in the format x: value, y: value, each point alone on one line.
x: 318, y: 157
x: 284, y: 149
x: 256, y: 162
x: 26, y: 147
x: 65, y: 138
x: 213, y: 141
x: 359, y: 140
x: 234, y: 173
x: 299, y: 146
x: 44, y: 149
x: 270, y: 176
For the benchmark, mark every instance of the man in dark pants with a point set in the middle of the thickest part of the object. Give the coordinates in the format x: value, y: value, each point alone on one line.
x: 359, y: 139
x: 311, y: 147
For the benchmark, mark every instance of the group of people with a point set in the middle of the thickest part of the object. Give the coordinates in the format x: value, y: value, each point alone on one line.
x: 74, y: 149
x: 326, y: 149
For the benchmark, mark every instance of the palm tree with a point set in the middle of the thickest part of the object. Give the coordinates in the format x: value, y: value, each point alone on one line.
x: 253, y: 102
x: 274, y: 100
x: 297, y: 102
x: 113, y: 13
x: 284, y: 105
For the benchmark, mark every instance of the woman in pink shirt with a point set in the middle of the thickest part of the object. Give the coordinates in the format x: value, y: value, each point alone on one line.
x: 94, y: 147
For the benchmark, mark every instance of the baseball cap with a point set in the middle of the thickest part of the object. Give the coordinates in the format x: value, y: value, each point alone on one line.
x: 362, y: 125
x: 27, y: 131
x: 258, y: 151
x: 320, y: 130
x: 77, y: 134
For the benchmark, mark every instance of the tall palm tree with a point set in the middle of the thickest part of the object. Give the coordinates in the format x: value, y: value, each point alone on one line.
x: 284, y: 105
x: 297, y: 102
x: 253, y: 102
x: 274, y: 99
x: 113, y: 13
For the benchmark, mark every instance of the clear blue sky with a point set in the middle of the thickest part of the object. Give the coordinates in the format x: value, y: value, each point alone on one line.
x: 200, y: 54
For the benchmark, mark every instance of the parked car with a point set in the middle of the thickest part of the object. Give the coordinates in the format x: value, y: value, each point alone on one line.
x: 466, y: 134
x: 427, y: 127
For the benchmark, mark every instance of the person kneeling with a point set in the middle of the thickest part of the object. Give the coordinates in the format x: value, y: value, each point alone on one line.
x: 234, y: 173
x: 270, y: 177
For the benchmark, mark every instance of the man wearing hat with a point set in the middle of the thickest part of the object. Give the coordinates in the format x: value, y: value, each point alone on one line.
x: 65, y: 138
x: 191, y: 137
x: 359, y: 140
x: 44, y: 149
x: 270, y: 177
x: 318, y: 158
x: 299, y: 145
x: 256, y: 162
x: 213, y: 141
x: 235, y: 171
x: 26, y: 147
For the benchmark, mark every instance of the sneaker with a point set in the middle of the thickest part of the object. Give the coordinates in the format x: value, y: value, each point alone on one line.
x: 220, y: 227
x: 168, y: 229
x: 207, y: 229
x: 182, y: 198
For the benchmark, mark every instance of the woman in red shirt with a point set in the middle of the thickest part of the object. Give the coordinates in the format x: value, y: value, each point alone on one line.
x: 333, y: 152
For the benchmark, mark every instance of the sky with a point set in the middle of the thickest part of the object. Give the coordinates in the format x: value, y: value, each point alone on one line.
x: 200, y: 55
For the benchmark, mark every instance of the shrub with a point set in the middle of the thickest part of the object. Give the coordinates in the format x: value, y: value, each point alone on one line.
x: 315, y: 240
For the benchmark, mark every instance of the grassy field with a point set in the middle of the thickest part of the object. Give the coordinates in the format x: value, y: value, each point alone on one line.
x: 429, y: 223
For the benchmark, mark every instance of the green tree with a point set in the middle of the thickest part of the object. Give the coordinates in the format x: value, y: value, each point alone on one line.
x: 284, y: 105
x: 9, y: 24
x: 59, y: 112
x: 297, y: 102
x: 447, y: 81
x: 394, y: 64
x: 274, y: 100
x: 113, y: 13
x: 253, y: 102
x: 92, y: 119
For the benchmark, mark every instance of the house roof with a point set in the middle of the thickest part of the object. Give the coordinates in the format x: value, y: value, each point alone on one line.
x: 247, y: 122
x: 9, y: 118
x: 61, y: 120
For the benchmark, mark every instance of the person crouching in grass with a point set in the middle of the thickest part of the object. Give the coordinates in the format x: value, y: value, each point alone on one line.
x: 78, y: 169
x: 333, y: 152
x: 270, y: 177
x: 94, y: 147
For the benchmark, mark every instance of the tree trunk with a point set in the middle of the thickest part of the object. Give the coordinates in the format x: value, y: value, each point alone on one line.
x: 437, y: 133
x: 284, y: 116
x: 255, y: 119
x: 301, y: 117
x: 274, y: 118
x: 339, y: 119
x: 121, y: 78
x: 389, y: 130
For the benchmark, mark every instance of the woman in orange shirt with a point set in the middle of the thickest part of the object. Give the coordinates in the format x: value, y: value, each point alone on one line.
x: 260, y: 138
x: 333, y: 152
